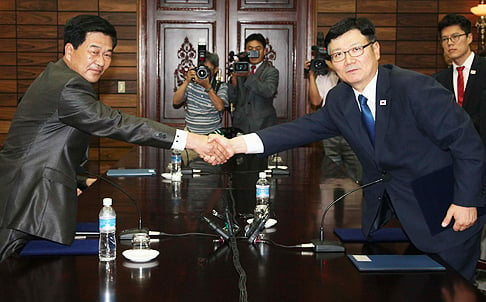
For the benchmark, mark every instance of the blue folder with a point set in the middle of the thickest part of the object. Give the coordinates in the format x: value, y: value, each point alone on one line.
x: 46, y: 247
x: 381, y: 235
x: 87, y: 246
x: 382, y: 263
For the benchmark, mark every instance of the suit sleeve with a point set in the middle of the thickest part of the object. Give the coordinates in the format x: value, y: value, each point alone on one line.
x: 80, y: 108
x: 449, y: 127
x: 302, y: 131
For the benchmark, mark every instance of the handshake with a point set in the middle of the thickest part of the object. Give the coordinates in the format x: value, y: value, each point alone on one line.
x: 215, y: 149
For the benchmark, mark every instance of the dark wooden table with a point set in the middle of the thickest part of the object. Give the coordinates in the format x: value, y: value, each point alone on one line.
x: 194, y: 268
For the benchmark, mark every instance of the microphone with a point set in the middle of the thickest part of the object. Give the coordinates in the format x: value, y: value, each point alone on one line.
x: 259, y: 225
x: 217, y: 229
x: 327, y: 246
x: 124, y: 234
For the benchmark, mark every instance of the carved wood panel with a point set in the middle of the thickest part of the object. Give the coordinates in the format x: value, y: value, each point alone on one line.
x: 170, y: 32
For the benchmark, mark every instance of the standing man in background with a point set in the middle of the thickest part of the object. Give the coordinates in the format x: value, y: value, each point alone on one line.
x: 205, y: 99
x: 336, y: 148
x: 466, y: 77
x: 49, y: 137
x: 252, y: 93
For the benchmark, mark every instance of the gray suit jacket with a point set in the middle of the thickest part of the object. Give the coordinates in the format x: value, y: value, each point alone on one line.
x: 48, y: 140
x: 253, y: 99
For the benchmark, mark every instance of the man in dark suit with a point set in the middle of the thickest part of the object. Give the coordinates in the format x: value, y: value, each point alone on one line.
x: 422, y: 144
x: 252, y: 92
x: 49, y: 136
x: 456, y: 38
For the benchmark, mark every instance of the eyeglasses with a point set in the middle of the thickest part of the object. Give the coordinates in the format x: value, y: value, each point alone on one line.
x: 353, y: 52
x: 454, y: 38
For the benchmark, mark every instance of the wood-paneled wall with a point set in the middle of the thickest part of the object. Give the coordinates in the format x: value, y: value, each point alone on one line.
x: 31, y: 36
x: 406, y: 29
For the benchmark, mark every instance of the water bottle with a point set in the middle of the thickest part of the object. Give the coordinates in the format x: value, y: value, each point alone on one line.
x: 107, y: 243
x: 262, y: 196
x: 176, y: 165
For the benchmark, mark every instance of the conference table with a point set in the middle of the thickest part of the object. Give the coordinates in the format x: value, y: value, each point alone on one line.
x: 194, y: 264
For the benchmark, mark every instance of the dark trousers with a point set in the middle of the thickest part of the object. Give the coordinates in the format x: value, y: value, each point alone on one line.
x: 12, y: 242
x: 464, y: 257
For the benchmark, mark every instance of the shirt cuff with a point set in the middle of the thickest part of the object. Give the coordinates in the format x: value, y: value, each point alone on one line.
x: 180, y: 140
x: 254, y: 143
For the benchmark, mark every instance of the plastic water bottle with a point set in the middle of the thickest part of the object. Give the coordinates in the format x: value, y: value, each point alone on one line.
x: 262, y: 196
x: 107, y: 243
x: 176, y: 165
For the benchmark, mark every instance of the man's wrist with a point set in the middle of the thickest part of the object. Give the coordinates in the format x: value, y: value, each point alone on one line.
x: 207, y: 90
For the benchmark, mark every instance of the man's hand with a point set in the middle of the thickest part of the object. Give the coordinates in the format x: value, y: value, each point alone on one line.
x: 211, y: 152
x: 464, y: 217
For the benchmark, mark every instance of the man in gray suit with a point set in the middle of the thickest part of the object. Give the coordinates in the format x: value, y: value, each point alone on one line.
x: 49, y: 137
x: 252, y: 93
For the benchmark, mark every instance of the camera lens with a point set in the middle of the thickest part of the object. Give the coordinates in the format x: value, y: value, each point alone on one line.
x: 318, y: 64
x: 242, y: 67
x: 202, y: 72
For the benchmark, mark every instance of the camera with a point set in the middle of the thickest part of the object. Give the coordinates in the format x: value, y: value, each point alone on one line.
x: 202, y: 71
x: 243, y: 63
x: 318, y: 64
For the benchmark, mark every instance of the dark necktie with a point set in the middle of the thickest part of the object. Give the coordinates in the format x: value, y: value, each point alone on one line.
x: 253, y: 67
x: 460, y: 85
x: 367, y: 117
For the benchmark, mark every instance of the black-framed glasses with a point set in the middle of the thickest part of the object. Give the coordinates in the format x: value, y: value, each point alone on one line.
x: 356, y: 51
x: 454, y: 38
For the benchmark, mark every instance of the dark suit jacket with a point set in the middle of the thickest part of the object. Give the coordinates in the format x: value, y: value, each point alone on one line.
x: 253, y: 99
x: 419, y: 130
x: 474, y: 93
x: 46, y: 143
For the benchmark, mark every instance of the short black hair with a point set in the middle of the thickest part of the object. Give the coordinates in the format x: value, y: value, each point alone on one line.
x: 453, y: 19
x: 76, y: 28
x: 364, y: 25
x: 256, y: 37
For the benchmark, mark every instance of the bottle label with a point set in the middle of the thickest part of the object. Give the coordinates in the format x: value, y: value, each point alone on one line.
x: 176, y: 158
x: 262, y: 191
x: 107, y: 224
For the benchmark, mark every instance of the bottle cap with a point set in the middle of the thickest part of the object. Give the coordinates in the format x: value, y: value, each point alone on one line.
x: 107, y: 201
x: 262, y: 174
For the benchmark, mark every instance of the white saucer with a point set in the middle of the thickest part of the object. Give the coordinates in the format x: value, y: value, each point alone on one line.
x: 166, y: 175
x: 140, y: 255
x: 268, y: 224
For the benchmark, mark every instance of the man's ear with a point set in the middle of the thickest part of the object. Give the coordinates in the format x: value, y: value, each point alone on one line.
x: 68, y: 50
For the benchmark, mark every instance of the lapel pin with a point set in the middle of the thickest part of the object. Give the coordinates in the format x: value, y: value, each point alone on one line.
x: 382, y: 102
x: 473, y: 71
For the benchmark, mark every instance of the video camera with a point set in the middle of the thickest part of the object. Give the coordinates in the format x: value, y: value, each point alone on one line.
x: 243, y: 63
x: 202, y: 71
x: 318, y: 64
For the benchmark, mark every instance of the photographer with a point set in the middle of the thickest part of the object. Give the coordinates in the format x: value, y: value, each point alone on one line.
x: 252, y: 92
x: 322, y: 79
x: 204, y: 97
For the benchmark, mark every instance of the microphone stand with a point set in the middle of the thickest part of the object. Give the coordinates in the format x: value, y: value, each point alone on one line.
x: 328, y: 246
x: 125, y: 234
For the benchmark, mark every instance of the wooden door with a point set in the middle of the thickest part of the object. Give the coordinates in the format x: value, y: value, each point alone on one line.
x: 170, y: 32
